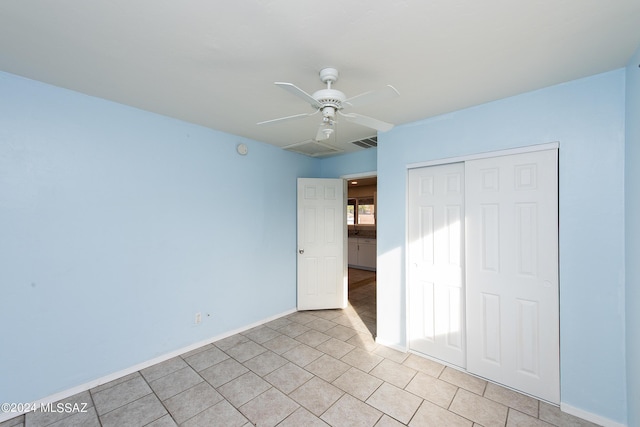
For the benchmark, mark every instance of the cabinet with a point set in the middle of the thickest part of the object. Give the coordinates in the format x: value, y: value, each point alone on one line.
x: 353, y: 251
x: 362, y: 253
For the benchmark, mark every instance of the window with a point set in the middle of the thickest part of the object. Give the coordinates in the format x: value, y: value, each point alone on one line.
x: 361, y: 211
x: 351, y: 211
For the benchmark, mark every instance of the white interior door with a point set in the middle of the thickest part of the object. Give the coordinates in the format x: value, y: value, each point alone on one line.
x: 436, y: 262
x: 512, y: 271
x: 322, y: 244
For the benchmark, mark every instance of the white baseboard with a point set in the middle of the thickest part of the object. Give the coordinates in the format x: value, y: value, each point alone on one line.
x: 114, y: 376
x: 597, y: 419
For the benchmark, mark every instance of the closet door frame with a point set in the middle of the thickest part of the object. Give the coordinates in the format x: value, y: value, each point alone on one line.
x: 485, y: 155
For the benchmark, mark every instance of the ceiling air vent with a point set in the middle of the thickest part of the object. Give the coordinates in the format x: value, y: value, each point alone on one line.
x: 312, y: 148
x: 367, y: 142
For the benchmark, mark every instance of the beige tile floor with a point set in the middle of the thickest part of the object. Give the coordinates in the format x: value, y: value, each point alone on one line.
x: 313, y: 368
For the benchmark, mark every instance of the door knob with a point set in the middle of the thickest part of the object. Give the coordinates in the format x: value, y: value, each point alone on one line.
x: 301, y: 251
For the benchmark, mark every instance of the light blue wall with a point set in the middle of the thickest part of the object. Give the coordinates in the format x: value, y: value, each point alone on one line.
x: 632, y: 229
x: 587, y: 118
x: 118, y: 225
x: 361, y: 161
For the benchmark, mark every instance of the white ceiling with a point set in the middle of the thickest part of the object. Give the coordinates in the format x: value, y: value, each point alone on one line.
x: 214, y: 62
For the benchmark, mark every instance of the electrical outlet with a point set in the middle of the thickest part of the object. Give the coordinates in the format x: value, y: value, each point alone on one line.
x: 198, y: 318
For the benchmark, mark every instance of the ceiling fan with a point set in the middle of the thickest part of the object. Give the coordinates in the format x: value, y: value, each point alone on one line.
x: 330, y: 102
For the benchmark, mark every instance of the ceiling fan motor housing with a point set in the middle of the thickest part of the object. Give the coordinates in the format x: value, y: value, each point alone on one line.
x: 330, y: 98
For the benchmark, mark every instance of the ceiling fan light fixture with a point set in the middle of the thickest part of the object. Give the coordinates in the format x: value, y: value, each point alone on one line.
x: 327, y: 132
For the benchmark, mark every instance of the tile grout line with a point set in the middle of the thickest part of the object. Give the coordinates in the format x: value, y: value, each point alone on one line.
x: 331, y: 383
x: 157, y: 397
x: 95, y: 408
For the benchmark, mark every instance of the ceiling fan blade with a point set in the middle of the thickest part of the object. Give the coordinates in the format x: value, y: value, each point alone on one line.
x: 295, y: 90
x: 284, y: 119
x: 371, y: 97
x: 369, y: 122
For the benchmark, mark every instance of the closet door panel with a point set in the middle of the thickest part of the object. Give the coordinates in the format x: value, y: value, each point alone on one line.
x: 512, y: 271
x: 436, y: 258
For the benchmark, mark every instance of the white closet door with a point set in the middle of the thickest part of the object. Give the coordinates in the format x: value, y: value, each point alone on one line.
x: 512, y: 271
x: 436, y: 259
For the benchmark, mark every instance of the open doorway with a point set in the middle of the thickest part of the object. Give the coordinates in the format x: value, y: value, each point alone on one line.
x: 362, y: 253
x: 362, y: 195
